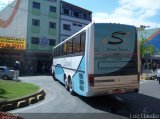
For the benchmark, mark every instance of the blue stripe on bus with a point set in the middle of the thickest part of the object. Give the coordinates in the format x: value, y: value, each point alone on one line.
x: 59, y: 73
x: 71, y: 69
x: 79, y: 66
x: 79, y: 78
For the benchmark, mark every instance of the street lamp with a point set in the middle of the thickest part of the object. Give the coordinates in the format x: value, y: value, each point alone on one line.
x: 143, y: 27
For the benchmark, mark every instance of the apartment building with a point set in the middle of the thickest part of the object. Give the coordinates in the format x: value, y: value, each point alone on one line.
x: 73, y: 19
x: 28, y: 31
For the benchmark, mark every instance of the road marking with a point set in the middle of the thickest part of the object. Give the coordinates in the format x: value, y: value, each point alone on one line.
x: 119, y: 99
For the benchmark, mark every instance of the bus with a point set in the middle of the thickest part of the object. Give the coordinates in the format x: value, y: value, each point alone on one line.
x: 100, y: 59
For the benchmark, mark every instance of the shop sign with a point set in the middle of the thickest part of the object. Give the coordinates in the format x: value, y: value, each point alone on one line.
x: 12, y: 43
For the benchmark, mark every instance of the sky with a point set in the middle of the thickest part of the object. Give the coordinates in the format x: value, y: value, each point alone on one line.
x: 132, y: 12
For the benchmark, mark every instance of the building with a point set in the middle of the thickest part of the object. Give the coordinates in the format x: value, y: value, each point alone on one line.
x: 153, y: 38
x: 73, y: 19
x: 29, y: 29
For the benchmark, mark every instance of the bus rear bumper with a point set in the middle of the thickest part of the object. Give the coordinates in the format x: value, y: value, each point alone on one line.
x: 105, y: 90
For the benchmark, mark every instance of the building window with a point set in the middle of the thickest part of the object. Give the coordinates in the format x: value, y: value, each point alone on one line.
x: 36, y: 5
x: 35, y: 22
x: 84, y: 16
x: 52, y: 42
x: 52, y: 0
x: 66, y: 11
x: 74, y: 24
x: 88, y: 17
x: 76, y: 44
x: 76, y: 14
x: 35, y: 40
x: 52, y: 25
x: 52, y: 9
x: 79, y: 25
x: 66, y: 27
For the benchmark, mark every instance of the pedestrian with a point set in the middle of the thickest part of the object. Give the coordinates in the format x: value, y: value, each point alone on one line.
x: 16, y: 70
x: 158, y: 76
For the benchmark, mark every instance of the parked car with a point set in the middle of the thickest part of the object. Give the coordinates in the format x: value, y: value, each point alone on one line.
x: 149, y: 74
x: 6, y: 73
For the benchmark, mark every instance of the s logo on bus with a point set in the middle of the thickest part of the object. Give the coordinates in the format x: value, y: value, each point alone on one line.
x: 118, y: 36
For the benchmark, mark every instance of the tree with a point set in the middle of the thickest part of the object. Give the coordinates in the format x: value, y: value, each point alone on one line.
x: 145, y: 49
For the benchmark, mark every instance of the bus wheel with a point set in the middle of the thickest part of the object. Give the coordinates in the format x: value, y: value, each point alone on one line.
x: 66, y: 83
x: 71, y: 87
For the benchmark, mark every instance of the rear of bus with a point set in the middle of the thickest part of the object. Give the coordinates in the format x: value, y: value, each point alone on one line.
x: 115, y: 60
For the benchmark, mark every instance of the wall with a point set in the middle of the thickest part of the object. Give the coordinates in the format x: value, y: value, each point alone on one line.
x: 76, y: 22
x: 70, y: 21
x: 43, y: 31
x: 13, y: 25
x: 13, y: 21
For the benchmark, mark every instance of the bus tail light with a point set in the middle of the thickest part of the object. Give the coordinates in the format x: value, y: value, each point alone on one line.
x: 91, y: 79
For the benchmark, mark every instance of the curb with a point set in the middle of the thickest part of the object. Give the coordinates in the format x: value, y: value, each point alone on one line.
x: 23, y: 102
x: 143, y: 77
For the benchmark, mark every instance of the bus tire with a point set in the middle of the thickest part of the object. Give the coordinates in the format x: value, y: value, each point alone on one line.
x: 71, y: 86
x: 66, y: 84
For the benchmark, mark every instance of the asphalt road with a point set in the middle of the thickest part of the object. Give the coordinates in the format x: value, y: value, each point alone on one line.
x: 59, y: 103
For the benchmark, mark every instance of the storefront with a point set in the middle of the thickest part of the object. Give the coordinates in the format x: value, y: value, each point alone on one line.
x: 11, y: 50
x: 37, y: 63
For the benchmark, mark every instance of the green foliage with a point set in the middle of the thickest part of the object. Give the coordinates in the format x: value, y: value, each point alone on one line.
x: 145, y: 49
x: 12, y: 90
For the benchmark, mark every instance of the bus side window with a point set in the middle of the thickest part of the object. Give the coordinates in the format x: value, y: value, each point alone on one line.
x: 83, y: 39
x: 55, y: 54
x: 69, y: 47
x: 57, y: 51
x: 76, y: 44
x: 65, y: 48
x: 62, y: 49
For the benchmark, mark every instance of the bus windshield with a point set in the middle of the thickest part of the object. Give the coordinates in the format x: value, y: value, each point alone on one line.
x: 115, y: 50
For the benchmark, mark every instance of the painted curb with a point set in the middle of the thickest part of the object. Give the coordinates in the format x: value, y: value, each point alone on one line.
x: 23, y: 102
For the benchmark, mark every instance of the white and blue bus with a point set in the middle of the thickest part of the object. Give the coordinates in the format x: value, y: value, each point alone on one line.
x: 100, y: 59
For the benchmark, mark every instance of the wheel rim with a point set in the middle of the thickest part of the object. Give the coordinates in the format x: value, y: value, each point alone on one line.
x: 70, y: 86
x: 66, y: 84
